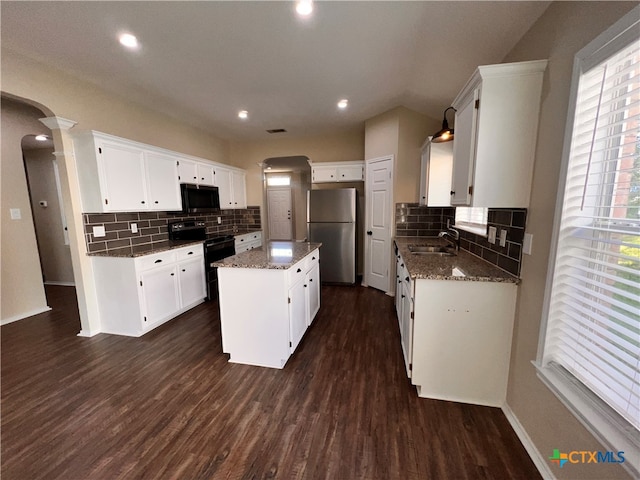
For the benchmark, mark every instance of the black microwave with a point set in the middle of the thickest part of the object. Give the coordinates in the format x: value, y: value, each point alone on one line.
x: 199, y: 198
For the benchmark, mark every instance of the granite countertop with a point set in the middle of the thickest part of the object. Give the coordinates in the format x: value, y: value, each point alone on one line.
x: 273, y: 255
x: 146, y: 249
x: 243, y: 232
x: 463, y: 266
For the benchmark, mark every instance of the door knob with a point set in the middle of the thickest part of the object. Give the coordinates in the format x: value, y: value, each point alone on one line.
x: 369, y: 232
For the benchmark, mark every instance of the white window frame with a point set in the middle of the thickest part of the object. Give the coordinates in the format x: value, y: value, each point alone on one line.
x: 465, y: 219
x: 606, y: 425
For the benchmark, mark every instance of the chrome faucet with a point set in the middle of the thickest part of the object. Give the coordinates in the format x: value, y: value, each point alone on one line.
x: 452, y: 236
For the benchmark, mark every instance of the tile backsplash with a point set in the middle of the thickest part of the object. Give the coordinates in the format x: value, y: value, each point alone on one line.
x: 414, y: 220
x: 152, y: 227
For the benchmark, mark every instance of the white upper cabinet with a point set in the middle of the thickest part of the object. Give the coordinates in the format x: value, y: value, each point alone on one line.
x: 119, y: 175
x: 496, y: 128
x: 436, y: 170
x: 330, y: 172
x: 163, y: 192
x: 231, y: 187
x: 187, y: 171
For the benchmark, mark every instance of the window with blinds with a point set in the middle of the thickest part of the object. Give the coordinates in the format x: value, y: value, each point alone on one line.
x: 593, y: 321
x: 473, y: 219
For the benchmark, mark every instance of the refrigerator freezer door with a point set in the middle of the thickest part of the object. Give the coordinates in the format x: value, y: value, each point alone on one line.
x: 331, y: 205
x: 337, y: 253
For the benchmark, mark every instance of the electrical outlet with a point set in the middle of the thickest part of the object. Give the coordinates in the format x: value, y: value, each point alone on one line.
x: 15, y: 213
x: 219, y: 220
x: 134, y: 228
x: 526, y: 244
x: 98, y: 231
x: 492, y: 235
x: 503, y: 238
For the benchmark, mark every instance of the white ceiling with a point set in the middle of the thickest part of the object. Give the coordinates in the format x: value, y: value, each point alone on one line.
x: 202, y: 62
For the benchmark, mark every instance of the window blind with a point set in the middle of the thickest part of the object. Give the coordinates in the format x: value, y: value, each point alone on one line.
x: 474, y: 216
x: 593, y: 325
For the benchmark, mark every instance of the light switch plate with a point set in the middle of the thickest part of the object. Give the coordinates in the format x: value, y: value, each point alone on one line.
x: 526, y: 244
x: 98, y: 231
x: 134, y: 228
x: 15, y: 213
x: 219, y: 220
x: 492, y: 235
x: 503, y: 238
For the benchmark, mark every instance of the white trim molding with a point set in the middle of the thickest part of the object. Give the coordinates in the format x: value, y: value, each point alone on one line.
x: 24, y: 315
x: 538, y: 459
x: 58, y: 123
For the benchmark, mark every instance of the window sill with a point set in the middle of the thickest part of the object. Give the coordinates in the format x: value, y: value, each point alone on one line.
x: 480, y: 230
x: 606, y: 425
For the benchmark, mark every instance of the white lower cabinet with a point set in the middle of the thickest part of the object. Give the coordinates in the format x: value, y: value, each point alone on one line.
x: 248, y: 241
x: 266, y: 330
x: 138, y: 294
x: 456, y: 337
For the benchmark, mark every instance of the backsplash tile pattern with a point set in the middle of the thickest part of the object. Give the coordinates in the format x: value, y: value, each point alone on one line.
x: 509, y: 257
x: 414, y: 220
x: 152, y: 227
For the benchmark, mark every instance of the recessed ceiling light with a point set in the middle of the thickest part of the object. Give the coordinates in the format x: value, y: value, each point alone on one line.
x: 343, y: 103
x: 128, y: 40
x: 42, y: 138
x: 304, y: 7
x: 243, y: 114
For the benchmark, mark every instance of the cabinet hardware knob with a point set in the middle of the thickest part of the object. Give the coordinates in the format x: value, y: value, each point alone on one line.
x: 407, y: 279
x: 182, y: 270
x: 298, y: 271
x: 369, y: 232
x: 401, y: 296
x: 190, y: 253
x: 158, y: 261
x: 452, y: 192
x: 402, y: 265
x: 313, y: 258
x: 156, y: 201
x: 311, y: 279
x: 172, y: 274
x: 142, y: 201
x: 305, y: 286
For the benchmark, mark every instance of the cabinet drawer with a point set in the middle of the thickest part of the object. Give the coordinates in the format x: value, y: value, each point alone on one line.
x: 297, y: 273
x: 156, y: 260
x: 311, y: 260
x: 187, y: 253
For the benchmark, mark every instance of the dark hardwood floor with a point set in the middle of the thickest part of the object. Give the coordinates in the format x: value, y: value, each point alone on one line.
x: 169, y: 405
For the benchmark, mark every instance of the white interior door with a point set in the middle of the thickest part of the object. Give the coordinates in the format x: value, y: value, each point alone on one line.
x: 279, y: 212
x: 379, y: 196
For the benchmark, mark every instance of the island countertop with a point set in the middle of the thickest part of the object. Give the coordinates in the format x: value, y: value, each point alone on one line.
x: 279, y: 255
x: 463, y: 266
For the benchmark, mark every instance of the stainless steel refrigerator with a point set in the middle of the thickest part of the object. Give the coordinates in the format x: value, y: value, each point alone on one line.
x: 331, y: 219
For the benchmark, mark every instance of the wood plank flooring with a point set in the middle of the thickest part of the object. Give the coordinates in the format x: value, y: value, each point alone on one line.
x: 169, y: 406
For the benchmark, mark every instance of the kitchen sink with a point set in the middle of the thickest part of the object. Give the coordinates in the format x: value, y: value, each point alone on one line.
x: 431, y: 250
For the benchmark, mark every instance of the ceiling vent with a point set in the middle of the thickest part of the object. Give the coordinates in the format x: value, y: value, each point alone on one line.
x: 277, y: 130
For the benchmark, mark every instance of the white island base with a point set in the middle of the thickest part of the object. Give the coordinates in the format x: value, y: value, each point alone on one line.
x: 267, y: 302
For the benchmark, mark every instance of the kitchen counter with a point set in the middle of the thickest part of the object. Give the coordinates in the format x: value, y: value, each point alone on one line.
x: 146, y: 249
x: 463, y: 266
x: 279, y: 255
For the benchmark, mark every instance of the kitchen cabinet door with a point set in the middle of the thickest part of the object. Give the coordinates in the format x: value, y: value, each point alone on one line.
x: 206, y: 174
x: 223, y: 182
x: 122, y: 177
x: 351, y: 173
x: 163, y: 187
x: 160, y: 294
x: 187, y: 171
x: 297, y: 313
x: 312, y: 282
x: 191, y: 281
x: 406, y: 325
x: 496, y: 129
x: 238, y: 189
x: 435, y: 174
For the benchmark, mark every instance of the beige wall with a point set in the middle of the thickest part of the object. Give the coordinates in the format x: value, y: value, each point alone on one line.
x: 562, y: 30
x: 322, y: 148
x: 21, y: 287
x: 400, y: 132
x: 55, y: 256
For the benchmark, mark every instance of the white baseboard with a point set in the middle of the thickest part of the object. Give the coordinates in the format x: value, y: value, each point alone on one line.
x: 539, y: 460
x: 21, y: 316
x: 62, y: 284
x: 86, y: 333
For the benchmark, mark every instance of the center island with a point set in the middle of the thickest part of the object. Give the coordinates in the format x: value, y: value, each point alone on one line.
x: 268, y: 297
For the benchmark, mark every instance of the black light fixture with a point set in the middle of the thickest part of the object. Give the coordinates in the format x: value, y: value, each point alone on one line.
x: 446, y: 134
